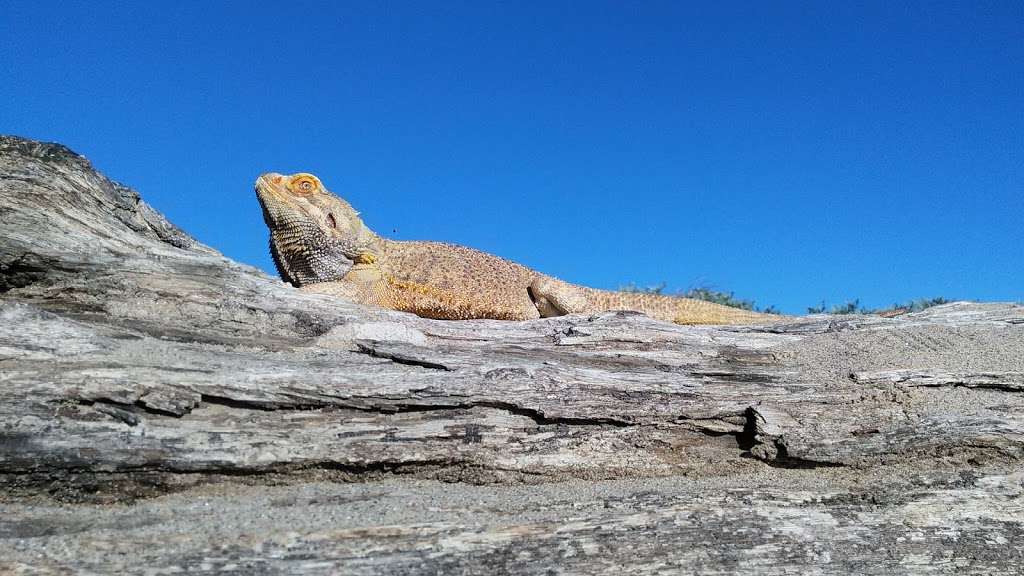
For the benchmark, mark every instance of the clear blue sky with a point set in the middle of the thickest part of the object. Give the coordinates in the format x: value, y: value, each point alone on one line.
x: 790, y: 153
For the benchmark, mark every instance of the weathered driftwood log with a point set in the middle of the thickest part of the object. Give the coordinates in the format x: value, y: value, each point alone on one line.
x: 291, y: 432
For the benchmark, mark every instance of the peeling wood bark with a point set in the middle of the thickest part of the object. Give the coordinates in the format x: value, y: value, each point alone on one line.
x: 135, y: 362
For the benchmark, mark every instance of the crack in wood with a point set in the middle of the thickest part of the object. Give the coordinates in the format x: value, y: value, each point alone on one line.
x: 370, y: 348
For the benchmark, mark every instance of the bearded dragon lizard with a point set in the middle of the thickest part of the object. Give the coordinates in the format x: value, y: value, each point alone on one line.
x: 319, y: 244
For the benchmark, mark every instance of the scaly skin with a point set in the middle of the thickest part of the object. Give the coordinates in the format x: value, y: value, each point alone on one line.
x: 565, y: 298
x: 320, y: 244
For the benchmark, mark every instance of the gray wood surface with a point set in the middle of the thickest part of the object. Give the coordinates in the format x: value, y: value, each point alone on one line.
x: 165, y: 409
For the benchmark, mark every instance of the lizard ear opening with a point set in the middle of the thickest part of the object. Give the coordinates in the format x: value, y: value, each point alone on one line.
x: 331, y: 221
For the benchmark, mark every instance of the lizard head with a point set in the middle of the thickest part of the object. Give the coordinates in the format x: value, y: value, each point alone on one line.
x: 315, y: 236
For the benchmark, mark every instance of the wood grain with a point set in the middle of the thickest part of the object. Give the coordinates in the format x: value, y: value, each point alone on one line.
x: 141, y: 371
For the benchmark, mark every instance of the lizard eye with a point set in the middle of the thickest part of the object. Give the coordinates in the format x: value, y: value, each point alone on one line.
x: 303, y: 184
x: 331, y: 221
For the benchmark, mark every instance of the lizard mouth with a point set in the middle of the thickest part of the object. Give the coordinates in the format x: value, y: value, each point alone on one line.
x: 267, y: 199
x: 274, y: 210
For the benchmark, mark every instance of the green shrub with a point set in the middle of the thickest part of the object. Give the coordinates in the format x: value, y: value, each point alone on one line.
x: 854, y: 307
x: 723, y: 298
x: 851, y: 307
x: 922, y: 303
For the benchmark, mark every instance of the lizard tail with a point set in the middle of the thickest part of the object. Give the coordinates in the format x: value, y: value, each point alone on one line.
x: 554, y: 297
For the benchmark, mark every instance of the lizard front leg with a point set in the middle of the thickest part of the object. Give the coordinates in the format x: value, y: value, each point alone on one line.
x: 363, y: 284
